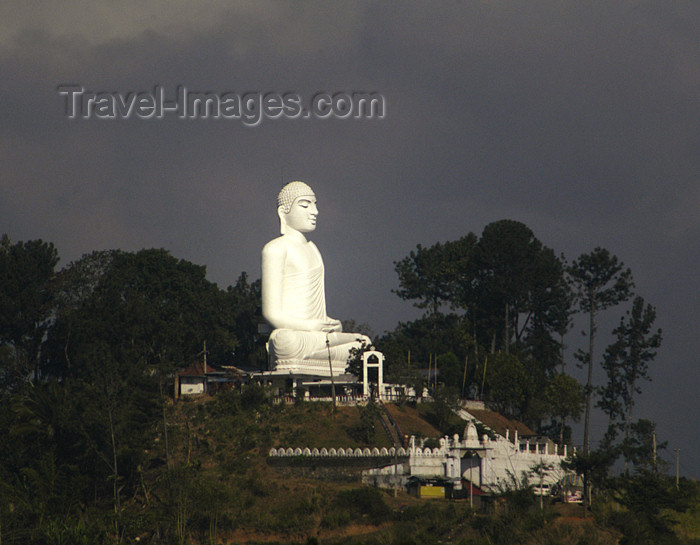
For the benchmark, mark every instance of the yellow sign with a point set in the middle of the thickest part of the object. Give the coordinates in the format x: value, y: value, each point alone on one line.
x: 432, y: 491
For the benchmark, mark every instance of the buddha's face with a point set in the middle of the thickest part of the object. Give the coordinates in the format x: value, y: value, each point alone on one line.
x: 302, y: 215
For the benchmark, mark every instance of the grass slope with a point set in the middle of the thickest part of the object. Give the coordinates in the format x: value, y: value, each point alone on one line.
x: 220, y: 489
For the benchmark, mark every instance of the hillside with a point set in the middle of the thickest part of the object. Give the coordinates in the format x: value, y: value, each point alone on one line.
x: 227, y: 489
x: 220, y: 487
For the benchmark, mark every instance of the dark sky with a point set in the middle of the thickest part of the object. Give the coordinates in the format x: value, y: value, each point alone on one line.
x: 581, y: 120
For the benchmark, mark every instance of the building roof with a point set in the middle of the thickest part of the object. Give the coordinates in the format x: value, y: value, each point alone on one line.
x: 200, y: 369
x: 499, y: 423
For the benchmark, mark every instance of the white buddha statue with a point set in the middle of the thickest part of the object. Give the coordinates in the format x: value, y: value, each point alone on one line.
x: 293, y: 294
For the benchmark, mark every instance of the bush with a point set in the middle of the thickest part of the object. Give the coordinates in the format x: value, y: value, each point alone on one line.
x: 365, y: 502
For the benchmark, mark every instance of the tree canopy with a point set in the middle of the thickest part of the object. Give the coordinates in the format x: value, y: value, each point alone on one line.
x: 86, y: 357
x: 506, y: 292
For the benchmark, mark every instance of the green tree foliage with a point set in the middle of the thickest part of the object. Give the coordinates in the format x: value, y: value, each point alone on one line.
x: 355, y: 359
x: 521, y: 305
x: 510, y: 268
x: 125, y: 323
x: 595, y: 466
x: 365, y: 502
x: 102, y: 339
x: 149, y: 311
x: 626, y: 364
x: 429, y: 275
x: 426, y: 338
x: 26, y: 303
x: 442, y: 410
x: 512, y: 295
x: 649, y: 500
x: 352, y: 326
x: 640, y: 446
x: 366, y: 430
x: 600, y: 281
x: 565, y: 398
x: 244, y: 308
x: 508, y: 385
x: 450, y: 371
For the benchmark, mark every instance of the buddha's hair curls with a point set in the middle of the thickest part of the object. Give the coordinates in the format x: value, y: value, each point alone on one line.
x: 290, y: 192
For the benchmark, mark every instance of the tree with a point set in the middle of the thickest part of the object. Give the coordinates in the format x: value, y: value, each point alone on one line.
x: 626, y: 363
x: 640, y: 446
x: 508, y: 384
x: 649, y: 500
x: 641, y: 350
x: 565, y: 399
x: 124, y: 323
x: 502, y: 265
x: 26, y: 304
x: 514, y: 297
x: 595, y: 466
x: 445, y: 403
x: 74, y: 287
x: 450, y: 370
x: 426, y: 339
x: 518, y: 286
x: 149, y: 310
x: 428, y: 274
x: 355, y: 361
x: 600, y: 282
x: 361, y: 328
x: 244, y: 306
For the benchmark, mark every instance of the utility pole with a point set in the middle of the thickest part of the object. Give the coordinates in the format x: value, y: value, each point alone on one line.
x: 204, y: 360
x: 677, y: 466
x: 430, y: 366
x: 330, y: 365
x: 471, y: 483
x: 464, y: 378
x: 396, y: 468
x: 653, y: 437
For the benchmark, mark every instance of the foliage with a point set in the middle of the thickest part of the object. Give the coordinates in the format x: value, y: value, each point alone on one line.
x: 520, y: 517
x: 441, y: 412
x: 364, y: 502
x: 595, y: 464
x: 640, y: 447
x: 512, y: 296
x: 148, y: 311
x: 600, y: 281
x: 365, y: 431
x: 519, y: 288
x: 508, y: 384
x: 26, y: 304
x: 352, y: 326
x: 355, y: 362
x: 450, y: 371
x: 626, y: 363
x: 430, y: 274
x: 219, y: 489
x: 243, y: 308
x: 100, y: 339
x: 97, y: 453
x: 565, y: 399
x: 414, y: 344
x: 648, y: 499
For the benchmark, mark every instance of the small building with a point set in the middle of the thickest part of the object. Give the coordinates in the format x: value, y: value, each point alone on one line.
x: 429, y: 488
x: 203, y: 378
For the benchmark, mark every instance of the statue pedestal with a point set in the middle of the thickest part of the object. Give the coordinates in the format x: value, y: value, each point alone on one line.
x: 309, y: 367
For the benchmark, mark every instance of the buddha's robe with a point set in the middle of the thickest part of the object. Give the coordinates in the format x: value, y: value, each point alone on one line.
x: 303, y: 296
x: 303, y: 351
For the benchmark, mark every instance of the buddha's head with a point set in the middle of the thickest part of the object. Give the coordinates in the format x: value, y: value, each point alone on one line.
x: 296, y: 208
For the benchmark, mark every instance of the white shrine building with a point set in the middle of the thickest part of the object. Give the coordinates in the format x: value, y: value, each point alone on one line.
x: 492, y: 462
